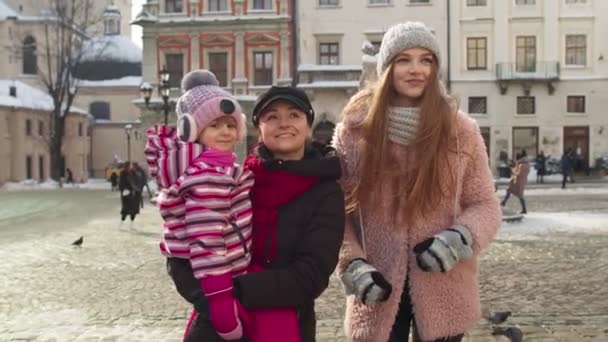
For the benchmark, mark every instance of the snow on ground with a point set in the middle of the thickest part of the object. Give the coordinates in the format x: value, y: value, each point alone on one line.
x: 540, y: 224
x: 91, y: 184
x: 571, y: 189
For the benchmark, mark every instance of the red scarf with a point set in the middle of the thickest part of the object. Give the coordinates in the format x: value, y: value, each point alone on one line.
x: 271, y: 190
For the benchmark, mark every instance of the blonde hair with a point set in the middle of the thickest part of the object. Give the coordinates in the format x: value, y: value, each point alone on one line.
x: 414, y: 190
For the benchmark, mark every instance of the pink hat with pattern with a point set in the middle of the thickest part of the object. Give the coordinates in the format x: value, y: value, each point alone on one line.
x: 202, y: 102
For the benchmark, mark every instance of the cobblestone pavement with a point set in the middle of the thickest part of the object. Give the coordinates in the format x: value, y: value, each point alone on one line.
x: 114, y: 288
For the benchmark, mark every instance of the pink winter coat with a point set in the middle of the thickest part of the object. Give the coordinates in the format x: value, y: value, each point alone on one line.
x: 444, y: 304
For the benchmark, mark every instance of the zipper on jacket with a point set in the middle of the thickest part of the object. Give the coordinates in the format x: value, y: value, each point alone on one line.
x: 237, y: 229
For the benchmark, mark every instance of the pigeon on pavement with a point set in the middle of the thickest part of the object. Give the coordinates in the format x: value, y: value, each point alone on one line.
x: 514, y: 334
x: 78, y: 242
x: 498, y: 317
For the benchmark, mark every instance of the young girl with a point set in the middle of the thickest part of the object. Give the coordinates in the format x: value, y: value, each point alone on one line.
x: 420, y: 199
x: 206, y: 211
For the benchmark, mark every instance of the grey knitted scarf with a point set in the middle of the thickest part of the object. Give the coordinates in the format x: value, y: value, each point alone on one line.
x: 402, y: 124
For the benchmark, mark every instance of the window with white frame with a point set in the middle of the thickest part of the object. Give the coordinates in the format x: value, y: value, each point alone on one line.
x: 576, y: 104
x: 262, y: 68
x: 478, y: 105
x: 217, y: 5
x: 329, y: 53
x: 328, y: 2
x: 174, y: 6
x: 30, y: 59
x: 525, y: 2
x: 476, y: 2
x: 525, y: 54
x: 576, y: 49
x: 262, y: 4
x: 218, y: 65
x: 378, y: 2
x: 477, y: 52
x: 526, y: 105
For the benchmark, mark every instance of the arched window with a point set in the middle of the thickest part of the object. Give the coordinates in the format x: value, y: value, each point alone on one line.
x: 30, y: 63
x: 100, y: 110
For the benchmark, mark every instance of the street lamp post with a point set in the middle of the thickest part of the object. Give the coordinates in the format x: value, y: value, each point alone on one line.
x: 128, y: 129
x: 164, y: 90
x: 146, y: 92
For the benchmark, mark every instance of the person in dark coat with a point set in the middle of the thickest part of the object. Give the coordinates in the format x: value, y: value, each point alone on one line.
x: 298, y: 218
x: 114, y: 181
x: 141, y: 181
x: 70, y: 176
x: 129, y: 198
x: 540, y: 166
x: 567, y: 164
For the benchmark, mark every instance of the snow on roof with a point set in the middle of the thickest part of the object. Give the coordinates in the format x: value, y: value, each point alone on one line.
x: 329, y: 84
x: 6, y: 11
x: 115, y: 48
x: 318, y: 67
x: 127, y: 81
x: 28, y: 97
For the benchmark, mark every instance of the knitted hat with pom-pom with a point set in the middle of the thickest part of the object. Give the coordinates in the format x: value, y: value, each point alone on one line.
x: 202, y: 102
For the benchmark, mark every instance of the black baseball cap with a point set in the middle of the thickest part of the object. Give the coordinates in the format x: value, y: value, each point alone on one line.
x: 291, y: 94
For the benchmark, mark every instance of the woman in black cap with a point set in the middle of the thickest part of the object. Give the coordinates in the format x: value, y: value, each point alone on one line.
x: 298, y: 216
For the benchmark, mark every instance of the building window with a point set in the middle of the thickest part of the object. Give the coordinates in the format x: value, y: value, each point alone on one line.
x: 40, y: 128
x: 525, y: 139
x: 30, y: 62
x: 174, y: 6
x: 477, y: 53
x: 262, y: 68
x: 576, y: 49
x: 262, y: 4
x: 478, y: 105
x: 576, y: 1
x: 420, y: 1
x: 28, y: 167
x: 329, y: 53
x: 28, y: 127
x: 100, y: 110
x: 378, y: 2
x: 576, y: 104
x: 175, y: 67
x: 80, y: 129
x: 525, y: 2
x: 476, y: 2
x: 217, y: 5
x: 41, y: 168
x: 525, y: 105
x: 218, y: 64
x: 328, y: 2
x: 525, y: 55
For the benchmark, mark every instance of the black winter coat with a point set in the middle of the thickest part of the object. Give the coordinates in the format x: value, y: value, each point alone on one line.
x: 310, y: 234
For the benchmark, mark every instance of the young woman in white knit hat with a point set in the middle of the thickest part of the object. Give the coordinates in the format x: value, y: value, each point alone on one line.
x: 419, y: 196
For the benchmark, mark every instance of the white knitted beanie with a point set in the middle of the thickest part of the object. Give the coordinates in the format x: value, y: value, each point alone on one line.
x: 411, y: 34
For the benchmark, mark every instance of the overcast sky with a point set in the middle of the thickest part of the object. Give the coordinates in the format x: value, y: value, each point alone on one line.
x: 136, y: 30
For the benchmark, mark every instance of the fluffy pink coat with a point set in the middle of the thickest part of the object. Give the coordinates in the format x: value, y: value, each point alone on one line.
x: 444, y: 304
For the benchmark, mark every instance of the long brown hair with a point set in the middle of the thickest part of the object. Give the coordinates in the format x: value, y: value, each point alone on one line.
x: 414, y: 190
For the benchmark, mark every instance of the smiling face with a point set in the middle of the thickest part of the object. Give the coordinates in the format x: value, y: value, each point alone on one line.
x: 283, y: 128
x: 412, y: 69
x: 221, y: 134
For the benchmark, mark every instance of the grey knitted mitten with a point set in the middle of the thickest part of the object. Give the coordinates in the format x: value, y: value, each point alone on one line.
x: 365, y: 282
x: 441, y: 252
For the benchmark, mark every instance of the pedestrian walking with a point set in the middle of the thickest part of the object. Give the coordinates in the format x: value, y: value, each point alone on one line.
x: 541, y: 167
x: 420, y: 200
x: 518, y: 181
x: 298, y: 220
x: 70, y: 176
x: 142, y: 182
x: 567, y: 164
x: 129, y: 199
x: 114, y: 181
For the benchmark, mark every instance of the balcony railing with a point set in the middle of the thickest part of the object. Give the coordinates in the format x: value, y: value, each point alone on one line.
x: 547, y: 71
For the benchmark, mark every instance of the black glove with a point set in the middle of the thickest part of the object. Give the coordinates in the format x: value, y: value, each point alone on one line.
x: 365, y: 282
x: 441, y: 252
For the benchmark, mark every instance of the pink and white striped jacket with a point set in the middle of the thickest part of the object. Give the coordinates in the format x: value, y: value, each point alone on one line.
x: 206, y: 210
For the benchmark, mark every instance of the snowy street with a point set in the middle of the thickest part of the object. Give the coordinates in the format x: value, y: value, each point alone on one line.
x: 549, y: 270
